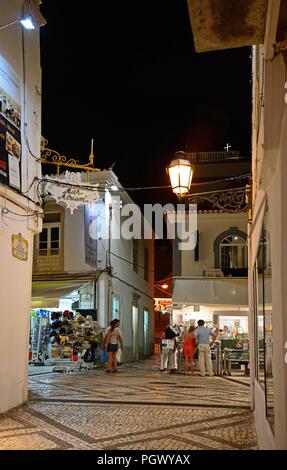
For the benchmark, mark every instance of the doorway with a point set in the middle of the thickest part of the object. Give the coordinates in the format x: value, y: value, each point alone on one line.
x: 146, y: 332
x: 135, y: 332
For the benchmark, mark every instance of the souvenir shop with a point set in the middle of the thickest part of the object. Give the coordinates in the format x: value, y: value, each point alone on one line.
x: 68, y: 340
x: 231, y: 350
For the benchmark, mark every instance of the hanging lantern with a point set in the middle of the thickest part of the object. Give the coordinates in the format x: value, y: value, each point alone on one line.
x: 180, y: 174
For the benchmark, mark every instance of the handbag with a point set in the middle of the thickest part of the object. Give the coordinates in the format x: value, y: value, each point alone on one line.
x: 104, y: 357
x: 119, y: 355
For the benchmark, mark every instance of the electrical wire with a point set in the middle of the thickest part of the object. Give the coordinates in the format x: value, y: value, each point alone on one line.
x: 162, y: 290
x: 124, y: 189
x: 130, y: 285
x: 130, y: 262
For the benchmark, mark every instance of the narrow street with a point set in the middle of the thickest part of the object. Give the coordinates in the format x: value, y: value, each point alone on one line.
x: 137, y: 409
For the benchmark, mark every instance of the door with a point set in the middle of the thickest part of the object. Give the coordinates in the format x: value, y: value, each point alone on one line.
x: 115, y: 307
x: 135, y: 332
x: 146, y: 333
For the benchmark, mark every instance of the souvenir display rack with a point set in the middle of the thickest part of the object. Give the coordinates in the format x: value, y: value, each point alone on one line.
x: 75, y: 342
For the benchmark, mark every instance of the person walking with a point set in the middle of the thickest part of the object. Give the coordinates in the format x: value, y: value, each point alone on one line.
x: 203, y: 334
x: 112, y: 341
x: 189, y: 346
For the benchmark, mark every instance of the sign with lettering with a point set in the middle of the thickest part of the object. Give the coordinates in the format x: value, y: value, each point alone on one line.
x: 19, y: 247
x: 10, y: 126
x: 68, y: 189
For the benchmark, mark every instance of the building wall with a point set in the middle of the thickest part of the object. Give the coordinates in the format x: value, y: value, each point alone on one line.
x: 16, y: 275
x: 74, y: 242
x: 131, y: 286
x: 121, y: 280
x: 270, y: 171
x: 209, y: 225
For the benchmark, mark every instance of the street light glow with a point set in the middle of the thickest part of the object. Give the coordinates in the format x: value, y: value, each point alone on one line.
x: 164, y: 286
x: 27, y: 22
x: 180, y: 173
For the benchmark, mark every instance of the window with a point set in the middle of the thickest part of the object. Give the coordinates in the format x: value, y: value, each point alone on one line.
x: 233, y: 253
x: 135, y: 255
x: 230, y: 252
x: 263, y: 319
x: 49, y: 238
x: 146, y: 263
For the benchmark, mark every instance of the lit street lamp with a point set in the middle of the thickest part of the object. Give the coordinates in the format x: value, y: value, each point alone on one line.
x: 31, y: 17
x: 234, y: 199
x: 180, y: 173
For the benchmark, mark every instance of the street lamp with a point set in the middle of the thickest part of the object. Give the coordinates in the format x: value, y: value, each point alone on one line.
x: 234, y: 199
x: 31, y: 16
x: 180, y: 172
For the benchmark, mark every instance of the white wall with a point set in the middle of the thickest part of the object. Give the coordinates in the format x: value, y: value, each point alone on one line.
x: 74, y: 242
x: 16, y: 275
x: 270, y: 172
x: 210, y: 225
x: 124, y: 282
x: 137, y: 286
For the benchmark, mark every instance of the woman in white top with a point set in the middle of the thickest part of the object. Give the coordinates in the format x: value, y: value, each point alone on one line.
x: 112, y: 342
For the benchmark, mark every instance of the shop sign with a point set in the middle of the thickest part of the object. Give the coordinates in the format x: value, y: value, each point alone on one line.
x: 68, y: 189
x: 19, y: 247
x: 164, y: 306
x: 10, y: 126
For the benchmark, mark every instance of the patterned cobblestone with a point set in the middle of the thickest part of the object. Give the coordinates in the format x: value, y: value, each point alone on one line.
x: 139, y: 408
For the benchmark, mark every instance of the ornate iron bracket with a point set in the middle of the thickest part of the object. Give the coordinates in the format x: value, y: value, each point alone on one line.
x: 52, y: 157
x: 226, y: 200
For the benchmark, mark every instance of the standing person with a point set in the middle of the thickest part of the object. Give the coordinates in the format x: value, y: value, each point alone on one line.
x: 203, y: 334
x: 189, y: 346
x: 112, y: 341
x: 168, y: 351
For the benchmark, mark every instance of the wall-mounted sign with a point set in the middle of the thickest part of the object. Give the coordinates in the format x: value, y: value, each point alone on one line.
x: 19, y: 247
x: 68, y: 189
x: 10, y: 126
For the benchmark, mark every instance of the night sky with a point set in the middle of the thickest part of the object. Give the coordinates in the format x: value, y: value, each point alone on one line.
x: 126, y: 74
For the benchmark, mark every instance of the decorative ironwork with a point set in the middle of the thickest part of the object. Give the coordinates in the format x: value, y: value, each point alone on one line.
x: 52, y: 157
x: 226, y: 200
x: 69, y: 190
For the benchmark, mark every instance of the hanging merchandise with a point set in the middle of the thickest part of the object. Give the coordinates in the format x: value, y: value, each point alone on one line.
x: 39, y: 337
x: 75, y: 341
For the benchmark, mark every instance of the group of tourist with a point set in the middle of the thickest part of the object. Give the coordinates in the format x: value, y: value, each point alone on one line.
x: 201, y: 338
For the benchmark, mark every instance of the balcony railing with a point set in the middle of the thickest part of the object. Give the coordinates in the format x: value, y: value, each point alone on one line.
x: 225, y: 272
x: 213, y: 157
x: 48, y: 261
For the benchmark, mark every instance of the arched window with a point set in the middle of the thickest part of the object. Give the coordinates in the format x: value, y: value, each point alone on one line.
x: 233, y: 253
x: 230, y: 252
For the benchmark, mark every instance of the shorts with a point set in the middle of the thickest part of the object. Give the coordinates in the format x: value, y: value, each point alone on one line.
x: 112, y: 347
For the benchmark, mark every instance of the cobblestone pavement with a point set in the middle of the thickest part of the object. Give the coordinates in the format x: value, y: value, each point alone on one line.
x: 138, y: 408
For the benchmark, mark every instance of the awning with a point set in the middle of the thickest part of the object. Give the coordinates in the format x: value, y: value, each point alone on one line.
x: 48, y: 293
x: 211, y: 291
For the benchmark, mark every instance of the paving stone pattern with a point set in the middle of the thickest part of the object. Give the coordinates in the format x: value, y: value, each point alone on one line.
x: 137, y: 409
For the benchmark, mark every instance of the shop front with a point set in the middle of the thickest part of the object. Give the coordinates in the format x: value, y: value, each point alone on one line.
x: 230, y: 324
x: 64, y: 332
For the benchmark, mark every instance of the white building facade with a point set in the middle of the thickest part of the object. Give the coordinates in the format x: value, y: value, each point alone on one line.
x: 262, y: 25
x: 85, y: 252
x: 21, y: 216
x: 210, y: 281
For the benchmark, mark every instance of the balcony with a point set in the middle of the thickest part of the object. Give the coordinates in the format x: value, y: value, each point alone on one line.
x: 225, y: 272
x: 48, y: 261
